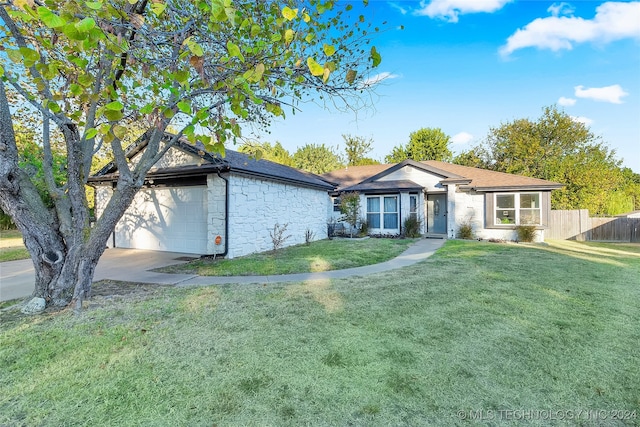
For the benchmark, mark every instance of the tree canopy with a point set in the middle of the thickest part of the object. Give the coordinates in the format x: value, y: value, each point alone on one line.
x: 557, y: 148
x: 424, y: 144
x: 274, y: 153
x: 317, y: 158
x: 92, y: 69
x: 356, y: 149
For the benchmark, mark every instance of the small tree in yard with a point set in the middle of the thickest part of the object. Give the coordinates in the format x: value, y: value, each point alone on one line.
x: 350, y: 209
x: 90, y: 70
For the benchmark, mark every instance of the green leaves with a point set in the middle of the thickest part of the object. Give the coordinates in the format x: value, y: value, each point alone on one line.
x: 288, y: 36
x: 255, y: 75
x: 289, y: 14
x: 49, y: 18
x: 115, y: 106
x: 315, y: 68
x: 234, y: 50
x: 29, y: 56
x: 194, y: 47
x: 158, y: 8
x: 376, y: 59
x: 95, y: 5
x: 328, y: 49
x: 90, y: 133
x: 184, y: 107
x: 86, y: 25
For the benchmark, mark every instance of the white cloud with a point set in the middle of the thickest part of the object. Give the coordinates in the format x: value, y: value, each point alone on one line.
x: 566, y: 102
x: 563, y: 8
x: 612, y: 94
x: 462, y: 138
x: 377, y: 79
x: 449, y: 10
x: 613, y: 21
x: 580, y: 119
x: 399, y: 8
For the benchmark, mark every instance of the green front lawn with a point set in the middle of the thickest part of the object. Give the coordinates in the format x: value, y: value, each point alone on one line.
x: 477, y: 330
x: 323, y: 255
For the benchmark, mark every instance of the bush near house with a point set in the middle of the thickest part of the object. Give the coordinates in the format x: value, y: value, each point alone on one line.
x: 526, y: 233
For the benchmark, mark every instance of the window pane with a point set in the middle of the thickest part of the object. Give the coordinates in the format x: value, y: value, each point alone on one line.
x: 373, y: 220
x: 505, y: 201
x: 530, y: 216
x: 505, y: 216
x: 390, y: 221
x: 391, y: 204
x: 336, y: 204
x: 413, y: 204
x: 530, y: 201
x: 373, y: 204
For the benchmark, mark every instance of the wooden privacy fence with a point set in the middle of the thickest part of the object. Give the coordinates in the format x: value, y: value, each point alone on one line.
x: 578, y: 225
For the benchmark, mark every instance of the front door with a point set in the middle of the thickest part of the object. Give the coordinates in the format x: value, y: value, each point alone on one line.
x: 437, y: 213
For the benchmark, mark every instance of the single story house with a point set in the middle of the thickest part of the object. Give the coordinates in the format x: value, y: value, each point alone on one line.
x: 206, y: 204
x: 200, y: 203
x: 443, y: 196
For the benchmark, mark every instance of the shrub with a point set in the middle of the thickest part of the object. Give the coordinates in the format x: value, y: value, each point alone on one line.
x: 411, y: 226
x: 277, y: 235
x: 308, y: 236
x: 364, y: 228
x: 526, y: 233
x: 331, y: 228
x: 465, y: 231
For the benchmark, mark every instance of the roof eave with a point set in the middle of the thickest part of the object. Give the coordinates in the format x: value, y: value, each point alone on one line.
x: 320, y: 185
x: 534, y: 187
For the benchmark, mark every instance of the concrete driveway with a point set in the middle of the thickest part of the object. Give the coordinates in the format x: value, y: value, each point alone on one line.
x: 133, y: 265
x: 17, y: 277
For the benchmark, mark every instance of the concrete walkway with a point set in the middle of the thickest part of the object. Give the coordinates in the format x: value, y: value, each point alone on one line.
x: 133, y: 265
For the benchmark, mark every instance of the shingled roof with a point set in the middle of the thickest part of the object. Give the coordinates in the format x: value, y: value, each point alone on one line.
x: 354, y: 177
x: 231, y: 161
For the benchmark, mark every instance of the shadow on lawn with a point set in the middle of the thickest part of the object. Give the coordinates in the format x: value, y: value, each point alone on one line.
x: 594, y: 252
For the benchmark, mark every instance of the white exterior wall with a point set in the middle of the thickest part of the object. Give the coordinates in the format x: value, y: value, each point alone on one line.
x: 103, y: 194
x: 174, y: 157
x: 470, y: 207
x: 256, y: 205
x: 216, y: 214
x: 431, y: 183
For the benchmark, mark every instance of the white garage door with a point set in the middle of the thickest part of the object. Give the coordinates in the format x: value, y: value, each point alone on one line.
x: 172, y: 219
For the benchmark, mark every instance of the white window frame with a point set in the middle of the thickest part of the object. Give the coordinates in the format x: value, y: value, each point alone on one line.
x: 381, y: 214
x: 336, y: 204
x: 517, y: 208
x: 413, y: 210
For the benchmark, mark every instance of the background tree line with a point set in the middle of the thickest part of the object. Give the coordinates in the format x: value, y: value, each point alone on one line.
x: 554, y: 147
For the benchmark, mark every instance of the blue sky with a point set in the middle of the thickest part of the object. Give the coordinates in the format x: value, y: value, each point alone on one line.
x: 466, y: 66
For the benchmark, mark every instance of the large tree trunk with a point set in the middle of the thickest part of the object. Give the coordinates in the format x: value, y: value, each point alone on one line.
x: 63, y: 273
x: 63, y: 247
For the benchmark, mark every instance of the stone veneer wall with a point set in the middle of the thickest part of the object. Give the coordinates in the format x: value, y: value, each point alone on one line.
x: 256, y: 205
x: 216, y: 214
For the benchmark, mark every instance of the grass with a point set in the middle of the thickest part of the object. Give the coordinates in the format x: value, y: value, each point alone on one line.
x: 323, y: 255
x: 11, y: 246
x: 476, y: 327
